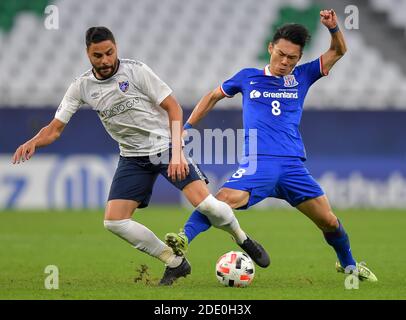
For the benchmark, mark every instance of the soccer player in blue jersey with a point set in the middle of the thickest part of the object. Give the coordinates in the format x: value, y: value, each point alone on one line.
x: 272, y: 100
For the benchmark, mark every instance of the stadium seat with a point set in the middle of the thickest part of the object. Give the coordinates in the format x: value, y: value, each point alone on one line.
x: 193, y: 45
x: 394, y: 8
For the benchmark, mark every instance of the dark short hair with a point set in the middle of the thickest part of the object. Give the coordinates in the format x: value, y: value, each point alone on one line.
x: 293, y: 32
x: 98, y: 34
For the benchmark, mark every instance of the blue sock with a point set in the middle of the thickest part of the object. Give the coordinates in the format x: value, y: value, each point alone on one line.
x: 341, y: 243
x: 196, y: 224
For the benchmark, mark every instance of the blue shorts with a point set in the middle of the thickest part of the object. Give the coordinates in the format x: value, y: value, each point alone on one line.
x: 278, y: 177
x: 135, y: 177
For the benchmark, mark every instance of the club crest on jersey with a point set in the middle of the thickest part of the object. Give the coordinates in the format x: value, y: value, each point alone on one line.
x: 95, y: 95
x: 290, y: 81
x: 124, y: 85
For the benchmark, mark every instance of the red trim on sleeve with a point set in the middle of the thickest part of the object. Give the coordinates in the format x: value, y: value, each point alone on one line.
x: 267, y: 70
x: 222, y: 90
x: 321, y: 67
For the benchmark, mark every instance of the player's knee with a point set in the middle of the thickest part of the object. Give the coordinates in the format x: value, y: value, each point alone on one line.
x: 329, y: 224
x: 225, y: 197
x: 209, y: 206
x: 218, y: 212
x: 116, y: 226
x: 234, y: 198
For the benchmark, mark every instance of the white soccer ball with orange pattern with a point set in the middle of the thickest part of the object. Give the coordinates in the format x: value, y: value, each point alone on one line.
x: 235, y: 269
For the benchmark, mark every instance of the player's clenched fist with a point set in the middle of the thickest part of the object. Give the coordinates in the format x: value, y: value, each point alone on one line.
x: 328, y: 18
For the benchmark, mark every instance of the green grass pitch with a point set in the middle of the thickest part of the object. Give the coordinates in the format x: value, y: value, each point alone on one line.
x: 95, y: 264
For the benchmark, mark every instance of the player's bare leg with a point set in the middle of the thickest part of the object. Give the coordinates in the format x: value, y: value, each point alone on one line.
x: 120, y: 209
x: 118, y: 220
x: 196, y: 192
x: 234, y: 198
x: 221, y: 216
x: 319, y: 211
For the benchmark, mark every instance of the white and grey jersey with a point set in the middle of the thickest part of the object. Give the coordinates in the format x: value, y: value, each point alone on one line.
x: 128, y: 104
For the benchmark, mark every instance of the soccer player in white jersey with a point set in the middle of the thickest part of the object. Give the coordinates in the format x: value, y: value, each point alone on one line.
x: 139, y: 111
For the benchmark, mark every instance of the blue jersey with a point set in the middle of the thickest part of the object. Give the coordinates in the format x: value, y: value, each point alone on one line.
x: 273, y: 106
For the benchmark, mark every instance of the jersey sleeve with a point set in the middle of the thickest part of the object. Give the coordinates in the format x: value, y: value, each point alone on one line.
x: 152, y: 85
x: 70, y: 103
x: 233, y: 85
x: 312, y: 70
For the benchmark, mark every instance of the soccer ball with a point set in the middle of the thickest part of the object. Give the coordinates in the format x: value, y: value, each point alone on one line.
x: 235, y: 269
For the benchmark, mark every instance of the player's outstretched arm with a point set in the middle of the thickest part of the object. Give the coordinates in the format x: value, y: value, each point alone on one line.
x: 44, y: 137
x: 205, y: 105
x: 337, y: 47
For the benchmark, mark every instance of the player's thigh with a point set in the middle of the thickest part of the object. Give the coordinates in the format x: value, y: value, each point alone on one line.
x: 233, y: 197
x: 295, y: 184
x: 319, y: 211
x: 131, y: 187
x: 194, y: 186
x: 251, y: 183
x: 119, y: 209
x: 196, y: 191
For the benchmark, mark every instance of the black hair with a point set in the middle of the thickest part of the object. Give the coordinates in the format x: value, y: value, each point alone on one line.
x: 98, y: 34
x: 293, y: 32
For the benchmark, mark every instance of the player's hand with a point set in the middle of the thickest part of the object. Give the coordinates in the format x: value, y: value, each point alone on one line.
x: 24, y: 152
x: 328, y: 18
x: 178, y: 168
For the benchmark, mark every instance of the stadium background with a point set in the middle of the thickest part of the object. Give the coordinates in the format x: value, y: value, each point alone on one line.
x: 353, y: 124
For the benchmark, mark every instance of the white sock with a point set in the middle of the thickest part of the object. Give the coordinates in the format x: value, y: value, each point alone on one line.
x: 222, y: 216
x: 143, y: 239
x: 235, y: 230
